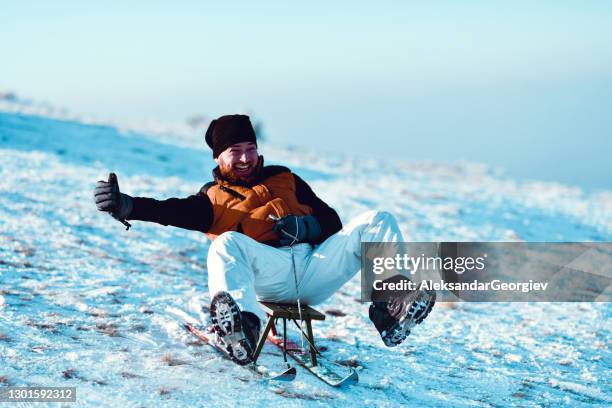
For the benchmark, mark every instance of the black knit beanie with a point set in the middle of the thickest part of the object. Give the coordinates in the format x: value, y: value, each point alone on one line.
x: 228, y: 130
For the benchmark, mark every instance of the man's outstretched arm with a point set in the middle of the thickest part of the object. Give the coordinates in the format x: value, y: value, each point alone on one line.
x: 194, y: 212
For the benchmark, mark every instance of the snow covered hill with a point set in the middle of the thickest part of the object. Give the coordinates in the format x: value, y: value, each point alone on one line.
x: 85, y: 303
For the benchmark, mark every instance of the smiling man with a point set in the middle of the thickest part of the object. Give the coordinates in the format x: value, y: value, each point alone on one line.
x: 272, y: 238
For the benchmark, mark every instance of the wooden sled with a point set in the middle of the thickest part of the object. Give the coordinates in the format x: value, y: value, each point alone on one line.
x: 330, y: 372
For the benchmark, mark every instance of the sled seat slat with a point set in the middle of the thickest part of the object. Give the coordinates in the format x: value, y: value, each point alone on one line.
x: 290, y: 311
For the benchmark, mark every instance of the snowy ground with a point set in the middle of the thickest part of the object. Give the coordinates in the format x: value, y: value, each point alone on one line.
x: 84, y: 303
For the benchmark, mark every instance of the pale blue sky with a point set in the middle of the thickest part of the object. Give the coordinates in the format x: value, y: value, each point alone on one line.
x: 526, y: 86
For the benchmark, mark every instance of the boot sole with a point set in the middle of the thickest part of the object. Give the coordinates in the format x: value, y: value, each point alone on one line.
x: 418, y: 311
x: 227, y: 324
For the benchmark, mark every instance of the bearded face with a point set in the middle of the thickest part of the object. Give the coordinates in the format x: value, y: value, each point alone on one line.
x: 239, y: 163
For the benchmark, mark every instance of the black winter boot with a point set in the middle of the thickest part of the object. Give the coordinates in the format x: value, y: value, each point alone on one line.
x: 237, y: 331
x: 395, y: 318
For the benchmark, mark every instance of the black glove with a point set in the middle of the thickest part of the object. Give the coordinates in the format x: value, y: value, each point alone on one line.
x: 294, y: 229
x: 108, y: 198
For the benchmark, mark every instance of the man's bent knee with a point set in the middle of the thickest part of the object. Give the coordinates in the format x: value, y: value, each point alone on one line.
x: 219, y: 251
x: 225, y: 240
x: 376, y: 216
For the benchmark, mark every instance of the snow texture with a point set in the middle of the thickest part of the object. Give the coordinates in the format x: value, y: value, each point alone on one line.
x: 84, y: 303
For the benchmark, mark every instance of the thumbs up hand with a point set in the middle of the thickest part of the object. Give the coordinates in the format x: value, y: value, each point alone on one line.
x: 109, y: 199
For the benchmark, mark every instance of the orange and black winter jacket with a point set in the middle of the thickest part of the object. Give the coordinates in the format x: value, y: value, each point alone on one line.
x: 220, y: 206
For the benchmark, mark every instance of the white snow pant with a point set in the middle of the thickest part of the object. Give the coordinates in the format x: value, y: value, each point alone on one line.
x: 251, y: 271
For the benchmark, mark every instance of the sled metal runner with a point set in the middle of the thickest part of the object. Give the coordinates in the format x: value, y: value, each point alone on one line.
x: 202, y: 334
x: 329, y: 372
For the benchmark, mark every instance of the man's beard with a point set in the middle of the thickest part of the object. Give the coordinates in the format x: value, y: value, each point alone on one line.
x: 228, y: 174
